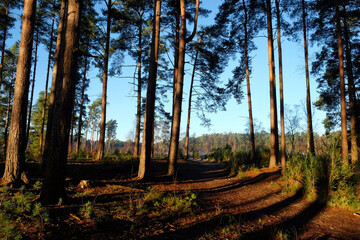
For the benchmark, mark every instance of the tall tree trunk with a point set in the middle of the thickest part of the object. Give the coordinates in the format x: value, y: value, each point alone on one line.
x: 15, y: 154
x: 145, y: 156
x: 352, y: 94
x: 78, y: 143
x: 274, y: 147
x: 175, y: 127
x: 87, y: 128
x: 71, y: 138
x: 186, y: 154
x: 56, y: 146
x: 105, y: 78
x: 310, y: 133
x: 344, y: 142
x: 32, y: 87
x: 138, y: 111
x: 282, y: 120
x: 92, y: 135
x: 7, y: 119
x: 251, y: 122
x: 41, y: 142
x: 3, y: 46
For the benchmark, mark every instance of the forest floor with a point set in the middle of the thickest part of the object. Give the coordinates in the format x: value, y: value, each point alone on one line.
x: 252, y: 206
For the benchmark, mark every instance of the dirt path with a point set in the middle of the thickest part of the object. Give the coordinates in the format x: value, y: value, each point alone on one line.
x: 255, y: 208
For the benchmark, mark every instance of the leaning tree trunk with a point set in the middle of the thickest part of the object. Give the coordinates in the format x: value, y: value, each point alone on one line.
x: 41, y: 141
x: 4, y: 43
x: 274, y: 148
x: 251, y: 122
x: 105, y: 78
x: 186, y: 154
x: 178, y: 91
x: 56, y: 146
x: 344, y: 142
x: 310, y: 135
x: 282, y: 120
x: 138, y: 110
x: 352, y: 95
x: 32, y: 87
x: 145, y: 157
x: 15, y: 154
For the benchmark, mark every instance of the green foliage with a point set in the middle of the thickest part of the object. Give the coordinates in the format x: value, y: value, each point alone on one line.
x: 87, y: 210
x: 221, y: 154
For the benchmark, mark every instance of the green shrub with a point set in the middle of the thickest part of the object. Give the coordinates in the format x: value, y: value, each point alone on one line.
x: 87, y: 210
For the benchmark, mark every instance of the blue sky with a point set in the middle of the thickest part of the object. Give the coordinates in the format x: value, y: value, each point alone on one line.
x: 122, y: 101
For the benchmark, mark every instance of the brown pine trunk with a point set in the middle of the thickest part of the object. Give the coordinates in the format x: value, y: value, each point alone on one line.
x: 178, y: 93
x: 282, y: 120
x: 186, y: 154
x: 310, y: 133
x: 251, y: 123
x: 352, y: 95
x: 138, y: 111
x: 56, y: 146
x: 4, y: 43
x: 7, y: 119
x: 15, y: 154
x: 41, y: 142
x: 344, y: 142
x: 105, y: 77
x: 274, y: 148
x: 145, y: 156
x: 32, y: 88
x: 87, y: 128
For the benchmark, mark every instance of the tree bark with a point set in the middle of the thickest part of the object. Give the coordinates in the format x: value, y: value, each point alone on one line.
x: 186, y: 154
x: 274, y: 148
x: 138, y: 111
x: 32, y: 87
x: 4, y: 43
x: 178, y: 94
x: 145, y: 157
x: 41, y: 141
x: 15, y: 154
x: 282, y: 120
x: 105, y: 78
x: 56, y: 146
x: 352, y: 94
x: 87, y: 128
x: 251, y: 122
x: 344, y: 142
x: 310, y: 135
x: 7, y: 119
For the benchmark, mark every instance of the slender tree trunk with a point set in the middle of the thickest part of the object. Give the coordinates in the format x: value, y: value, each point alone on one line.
x: 56, y: 146
x: 310, y: 135
x: 32, y: 88
x: 7, y: 119
x: 4, y: 43
x: 71, y: 132
x: 352, y: 95
x: 274, y: 148
x: 78, y: 143
x: 138, y: 111
x: 105, y: 78
x: 282, y: 120
x: 175, y: 128
x: 92, y: 135
x: 186, y: 155
x: 88, y: 125
x: 145, y: 157
x: 15, y: 154
x: 251, y: 122
x: 344, y: 142
x: 41, y: 142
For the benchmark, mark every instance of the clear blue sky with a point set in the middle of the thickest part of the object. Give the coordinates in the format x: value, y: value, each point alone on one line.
x: 122, y: 103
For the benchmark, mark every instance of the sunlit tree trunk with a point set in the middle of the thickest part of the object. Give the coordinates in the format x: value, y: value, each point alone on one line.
x: 3, y: 46
x: 32, y: 87
x: 251, y: 123
x: 41, y: 141
x: 310, y: 133
x: 145, y: 157
x: 344, y: 142
x: 274, y: 148
x: 186, y: 154
x: 282, y: 120
x: 15, y: 154
x: 138, y: 110
x: 100, y: 154
x: 7, y: 119
x: 178, y: 94
x: 87, y: 128
x: 56, y: 146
